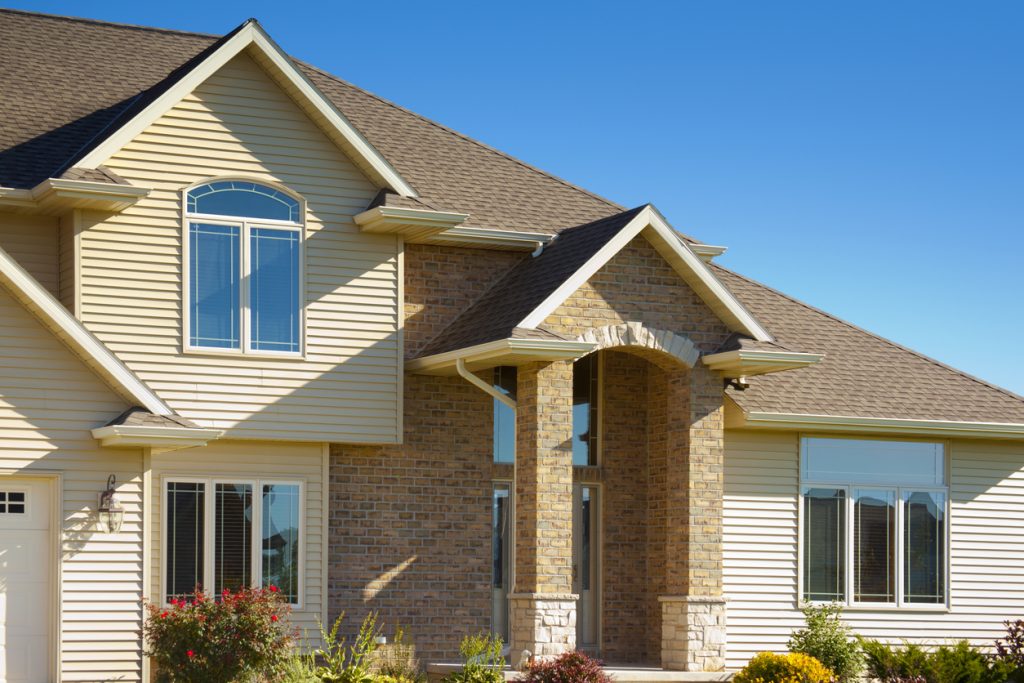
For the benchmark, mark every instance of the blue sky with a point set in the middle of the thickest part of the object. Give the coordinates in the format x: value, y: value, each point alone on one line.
x: 865, y: 157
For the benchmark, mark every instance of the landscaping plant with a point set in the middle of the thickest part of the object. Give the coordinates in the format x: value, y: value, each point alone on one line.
x: 829, y: 640
x: 794, y: 667
x: 1011, y: 648
x: 397, y: 663
x: 569, y: 667
x: 339, y: 663
x: 481, y: 661
x: 912, y: 663
x: 235, y: 637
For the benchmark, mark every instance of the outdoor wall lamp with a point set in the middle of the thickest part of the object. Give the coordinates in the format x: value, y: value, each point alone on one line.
x: 110, y: 510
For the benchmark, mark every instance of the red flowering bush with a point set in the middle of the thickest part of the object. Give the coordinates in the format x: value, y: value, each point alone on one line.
x: 569, y: 667
x: 233, y: 637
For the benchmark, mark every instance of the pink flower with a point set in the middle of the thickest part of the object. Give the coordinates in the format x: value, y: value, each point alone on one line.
x: 273, y: 588
x: 190, y: 654
x: 163, y: 615
x: 273, y: 617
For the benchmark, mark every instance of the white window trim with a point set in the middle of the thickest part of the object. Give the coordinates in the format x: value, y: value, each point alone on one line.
x: 900, y: 603
x: 245, y: 312
x: 209, y: 528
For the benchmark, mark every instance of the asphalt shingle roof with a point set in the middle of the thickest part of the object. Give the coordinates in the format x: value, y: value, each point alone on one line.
x: 67, y: 83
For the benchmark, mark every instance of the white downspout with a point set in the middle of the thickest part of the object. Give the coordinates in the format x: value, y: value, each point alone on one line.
x: 464, y: 373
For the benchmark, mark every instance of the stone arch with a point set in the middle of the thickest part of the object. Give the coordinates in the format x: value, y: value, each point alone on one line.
x: 651, y: 342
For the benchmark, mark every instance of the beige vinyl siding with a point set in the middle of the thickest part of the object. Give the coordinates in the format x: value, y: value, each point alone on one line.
x: 239, y: 123
x: 247, y: 460
x: 49, y: 400
x: 32, y: 242
x: 761, y: 534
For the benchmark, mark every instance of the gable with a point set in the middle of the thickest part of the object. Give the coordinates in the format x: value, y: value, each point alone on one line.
x: 638, y: 285
x: 239, y: 123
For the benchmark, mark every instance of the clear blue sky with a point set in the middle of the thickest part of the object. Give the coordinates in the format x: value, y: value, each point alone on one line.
x: 866, y: 157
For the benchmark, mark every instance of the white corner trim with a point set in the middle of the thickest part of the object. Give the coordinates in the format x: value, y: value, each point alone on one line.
x: 73, y: 333
x: 882, y: 425
x: 159, y: 439
x: 249, y: 35
x: 759, y: 362
x: 535, y: 349
x: 742, y: 321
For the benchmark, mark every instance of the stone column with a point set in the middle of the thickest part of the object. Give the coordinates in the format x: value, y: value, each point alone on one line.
x: 542, y: 608
x: 692, y: 604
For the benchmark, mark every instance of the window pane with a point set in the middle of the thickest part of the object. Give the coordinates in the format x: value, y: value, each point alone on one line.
x: 924, y: 551
x: 869, y: 461
x: 243, y: 199
x: 874, y: 546
x: 824, y: 544
x: 232, y: 537
x: 281, y: 539
x: 214, y: 273
x: 504, y: 417
x: 584, y: 411
x: 185, y: 537
x: 501, y: 540
x: 274, y: 289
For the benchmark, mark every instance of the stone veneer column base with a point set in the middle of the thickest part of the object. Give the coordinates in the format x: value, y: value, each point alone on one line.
x: 692, y: 632
x: 543, y: 623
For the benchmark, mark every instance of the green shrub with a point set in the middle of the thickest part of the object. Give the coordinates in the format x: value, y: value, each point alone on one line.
x: 204, y: 640
x: 830, y: 641
x: 569, y: 667
x: 794, y: 667
x: 338, y: 663
x: 912, y: 663
x: 481, y: 661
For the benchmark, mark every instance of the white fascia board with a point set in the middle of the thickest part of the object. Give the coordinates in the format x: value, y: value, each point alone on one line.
x: 387, y: 218
x: 89, y: 187
x: 527, y: 241
x: 249, y: 35
x: 882, y: 425
x: 160, y: 439
x: 57, y: 318
x: 756, y: 362
x: 742, y: 320
x: 540, y: 349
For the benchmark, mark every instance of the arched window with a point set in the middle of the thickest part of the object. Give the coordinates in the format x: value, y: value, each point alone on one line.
x: 244, y: 277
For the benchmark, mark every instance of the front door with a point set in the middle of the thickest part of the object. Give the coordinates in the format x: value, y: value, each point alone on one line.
x: 25, y: 588
x: 586, y: 569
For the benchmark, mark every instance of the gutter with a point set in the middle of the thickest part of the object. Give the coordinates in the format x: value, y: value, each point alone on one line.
x: 464, y: 373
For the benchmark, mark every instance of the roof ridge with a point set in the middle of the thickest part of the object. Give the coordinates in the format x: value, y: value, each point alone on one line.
x: 886, y: 340
x: 456, y: 133
x: 102, y: 22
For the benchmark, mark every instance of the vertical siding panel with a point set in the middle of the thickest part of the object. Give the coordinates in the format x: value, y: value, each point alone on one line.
x: 49, y: 400
x: 240, y: 123
x: 760, y: 533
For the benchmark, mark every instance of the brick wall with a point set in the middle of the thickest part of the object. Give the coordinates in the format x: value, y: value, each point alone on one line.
x: 410, y: 524
x: 441, y: 282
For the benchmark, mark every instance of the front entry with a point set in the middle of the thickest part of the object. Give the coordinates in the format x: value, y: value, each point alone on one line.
x: 586, y: 569
x: 25, y: 588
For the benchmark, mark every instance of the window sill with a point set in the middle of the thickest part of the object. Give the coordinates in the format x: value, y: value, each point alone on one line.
x: 228, y: 353
x: 883, y: 607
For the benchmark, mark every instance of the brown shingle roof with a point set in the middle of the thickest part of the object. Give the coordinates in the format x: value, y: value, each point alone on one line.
x: 140, y: 417
x: 68, y: 82
x: 500, y: 309
x: 862, y: 374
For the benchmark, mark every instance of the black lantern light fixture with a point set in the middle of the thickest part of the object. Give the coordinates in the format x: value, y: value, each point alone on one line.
x: 110, y: 510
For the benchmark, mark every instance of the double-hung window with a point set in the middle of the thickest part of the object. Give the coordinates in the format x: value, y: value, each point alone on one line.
x: 243, y: 269
x: 874, y: 518
x: 227, y: 534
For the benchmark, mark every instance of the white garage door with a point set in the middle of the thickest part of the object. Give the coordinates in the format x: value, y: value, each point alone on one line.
x: 24, y: 580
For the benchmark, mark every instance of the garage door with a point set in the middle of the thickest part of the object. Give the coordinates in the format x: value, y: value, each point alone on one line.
x: 25, y: 567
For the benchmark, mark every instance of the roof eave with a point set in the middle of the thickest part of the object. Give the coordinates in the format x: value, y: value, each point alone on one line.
x: 57, y: 195
x: 875, y: 425
x: 415, y: 225
x: 748, y: 363
x: 159, y: 439
x: 501, y: 352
